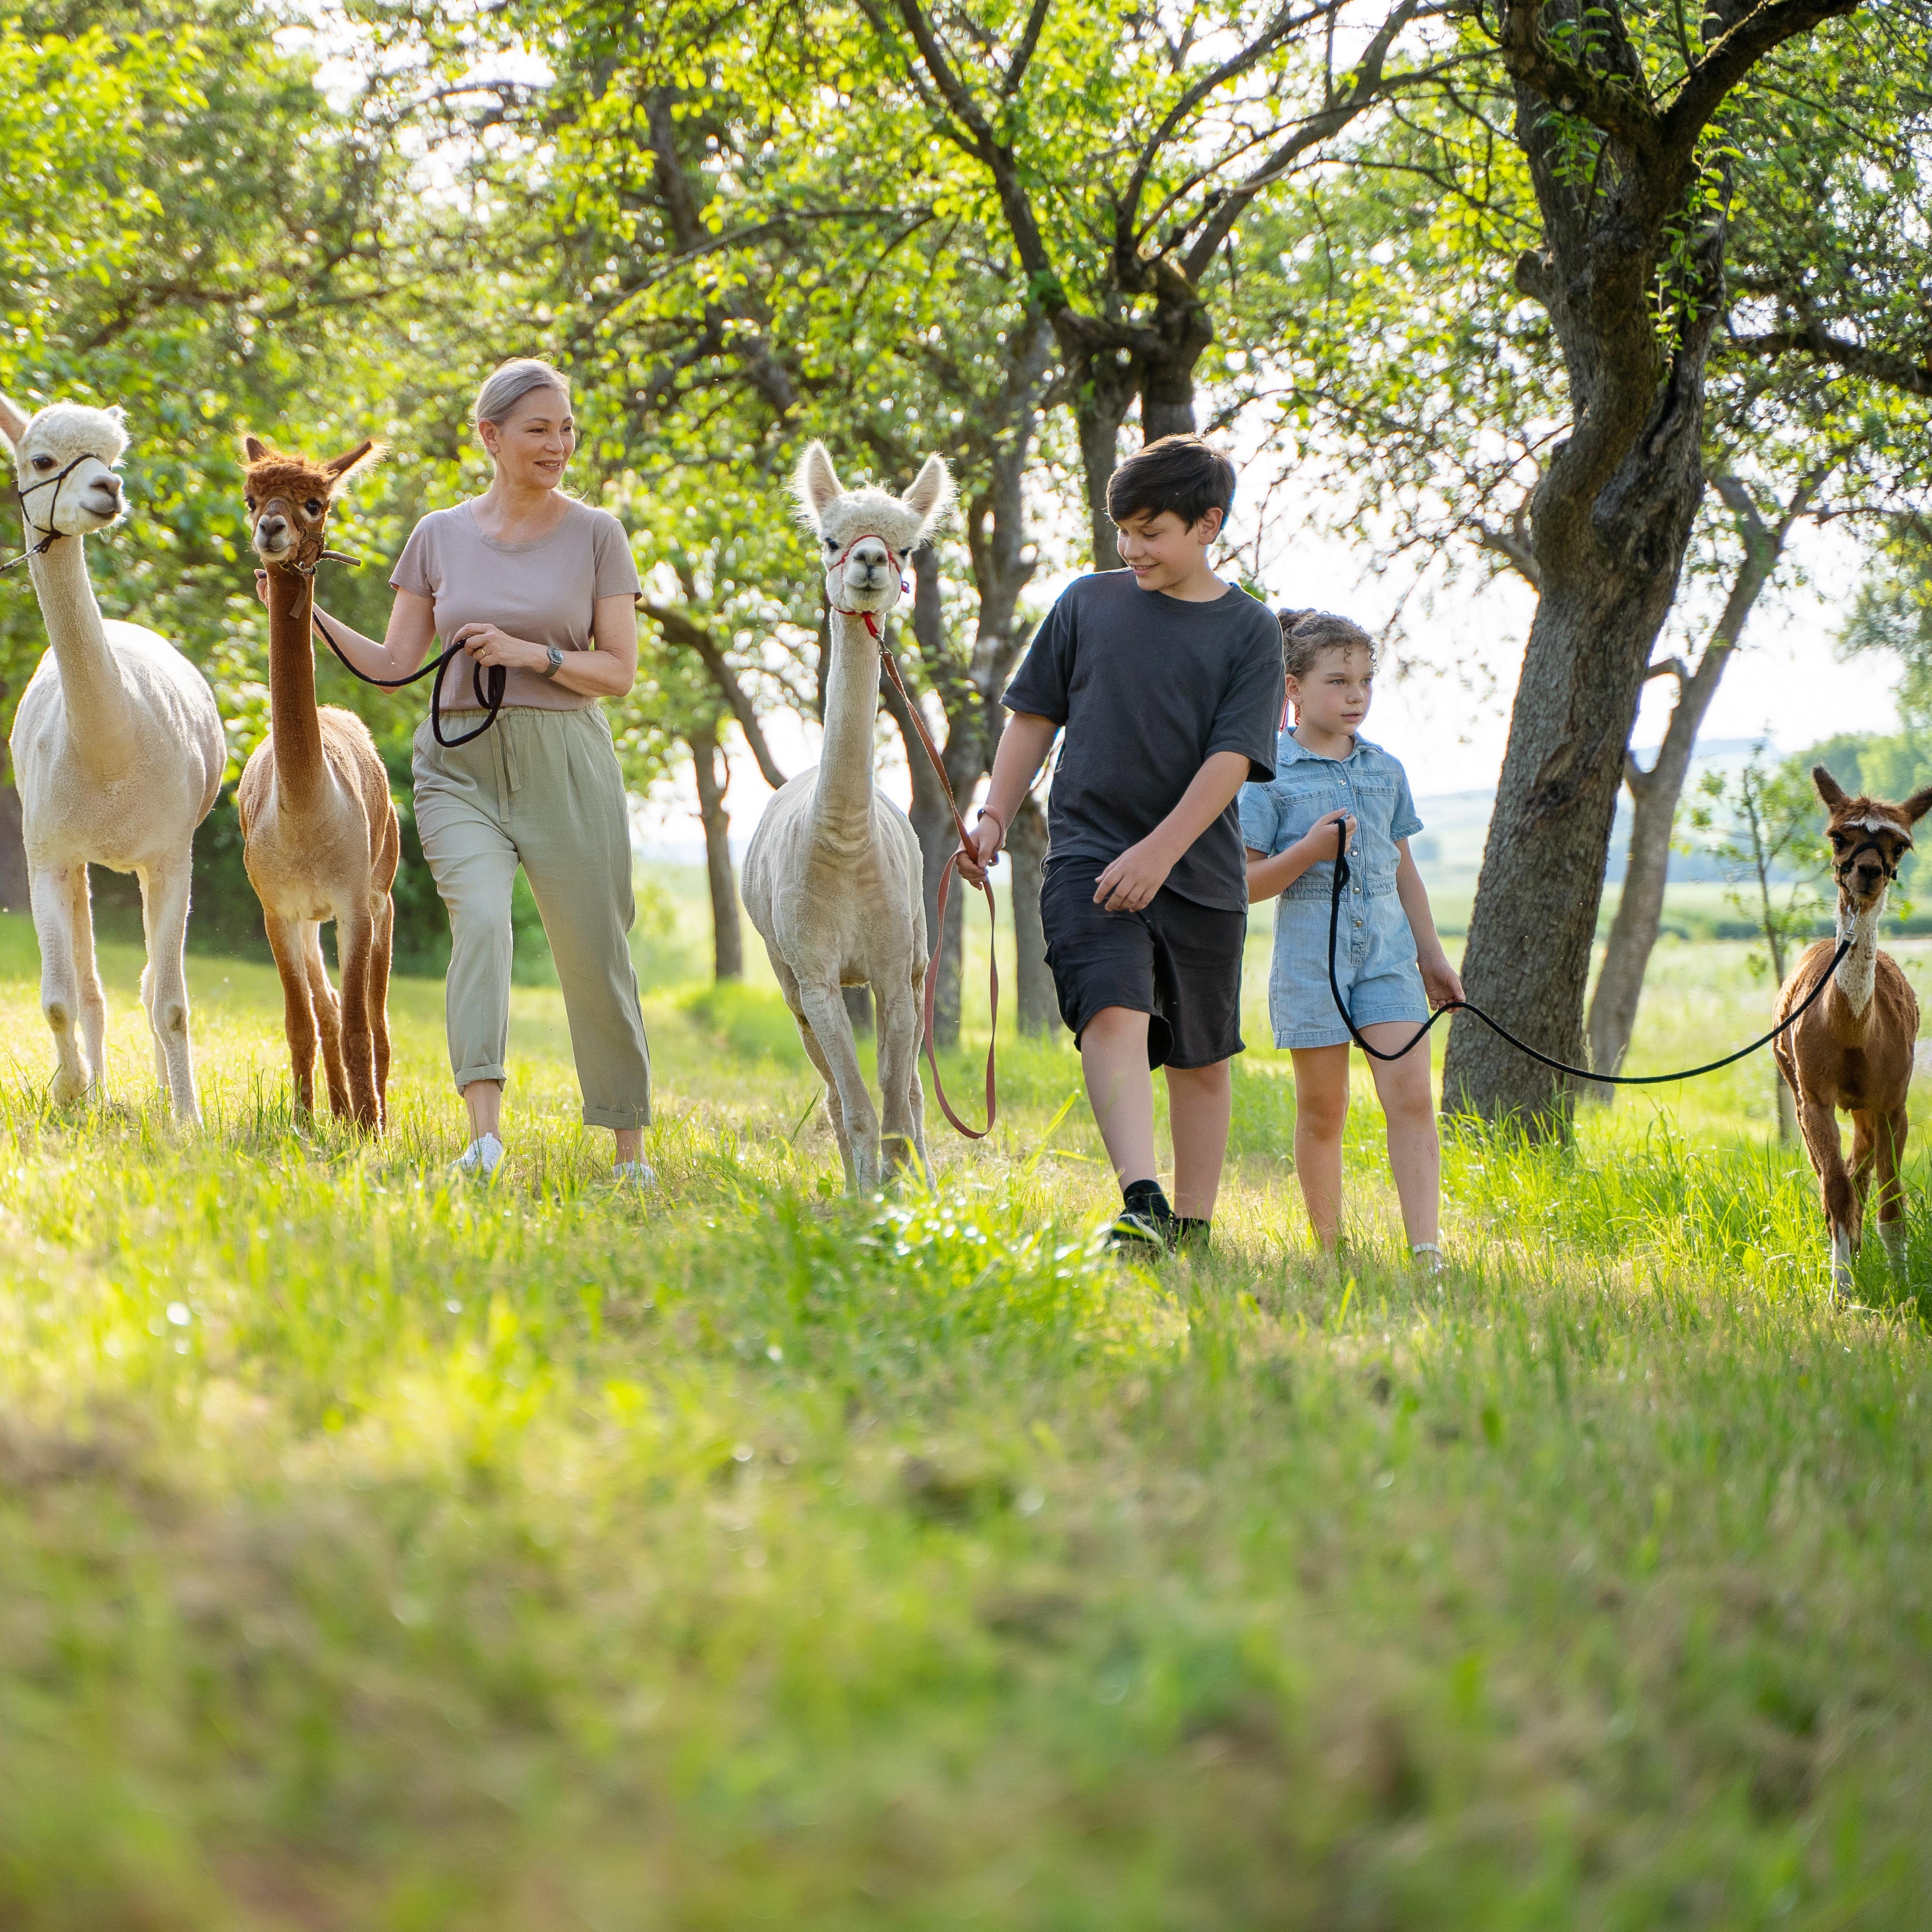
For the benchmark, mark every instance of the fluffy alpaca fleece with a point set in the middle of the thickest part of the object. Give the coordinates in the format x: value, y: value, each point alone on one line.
x: 320, y: 835
x: 1854, y: 1049
x: 833, y: 877
x: 118, y: 752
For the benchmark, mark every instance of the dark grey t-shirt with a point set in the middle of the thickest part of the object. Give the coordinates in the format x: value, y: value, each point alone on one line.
x: 1149, y: 687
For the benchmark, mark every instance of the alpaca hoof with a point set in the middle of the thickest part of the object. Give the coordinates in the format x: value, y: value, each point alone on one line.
x: 69, y: 1090
x: 1892, y: 1234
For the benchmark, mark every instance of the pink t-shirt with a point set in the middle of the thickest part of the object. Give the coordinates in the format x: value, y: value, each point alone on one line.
x: 546, y: 591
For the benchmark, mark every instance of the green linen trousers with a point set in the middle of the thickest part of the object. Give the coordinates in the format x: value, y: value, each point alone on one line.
x: 542, y: 790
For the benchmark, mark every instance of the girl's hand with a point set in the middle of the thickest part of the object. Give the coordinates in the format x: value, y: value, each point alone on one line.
x: 261, y: 586
x: 489, y: 644
x: 1319, y: 838
x: 1441, y: 981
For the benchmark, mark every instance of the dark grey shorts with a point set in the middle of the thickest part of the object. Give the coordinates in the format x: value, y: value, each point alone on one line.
x: 1176, y: 961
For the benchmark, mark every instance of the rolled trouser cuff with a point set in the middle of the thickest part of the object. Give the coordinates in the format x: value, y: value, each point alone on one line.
x: 468, y: 1076
x: 617, y: 1118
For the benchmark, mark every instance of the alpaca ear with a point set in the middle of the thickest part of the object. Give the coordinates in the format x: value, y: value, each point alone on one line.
x: 1829, y: 789
x: 815, y: 483
x: 930, y: 496
x: 345, y: 466
x: 254, y: 449
x: 13, y: 421
x: 1916, y: 807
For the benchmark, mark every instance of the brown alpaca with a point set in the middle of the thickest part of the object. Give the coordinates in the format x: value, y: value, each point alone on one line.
x: 1853, y: 1049
x: 320, y: 837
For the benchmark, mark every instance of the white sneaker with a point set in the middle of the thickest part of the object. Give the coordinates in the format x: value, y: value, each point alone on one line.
x: 480, y: 1159
x: 638, y: 1174
x: 1426, y: 1258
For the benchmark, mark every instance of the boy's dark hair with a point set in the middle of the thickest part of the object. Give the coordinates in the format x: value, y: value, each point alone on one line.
x: 1305, y: 634
x: 1182, y: 473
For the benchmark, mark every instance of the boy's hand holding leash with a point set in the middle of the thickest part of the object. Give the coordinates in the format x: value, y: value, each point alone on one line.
x: 981, y: 852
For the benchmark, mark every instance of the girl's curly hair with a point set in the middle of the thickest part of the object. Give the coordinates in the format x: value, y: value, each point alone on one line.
x: 1305, y: 634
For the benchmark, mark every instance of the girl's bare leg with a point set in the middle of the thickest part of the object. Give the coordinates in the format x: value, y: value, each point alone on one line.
x: 1415, y: 1153
x: 1321, y: 1112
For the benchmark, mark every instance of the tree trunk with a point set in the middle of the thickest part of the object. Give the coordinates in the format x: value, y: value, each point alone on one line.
x: 1037, y: 1007
x: 1103, y: 392
x: 1655, y: 794
x: 1610, y: 520
x: 713, y: 772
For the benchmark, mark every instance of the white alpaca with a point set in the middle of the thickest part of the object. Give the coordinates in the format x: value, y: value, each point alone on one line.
x: 832, y: 877
x: 117, y: 753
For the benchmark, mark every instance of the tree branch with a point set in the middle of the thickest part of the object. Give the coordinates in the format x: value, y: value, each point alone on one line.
x: 1877, y: 365
x: 679, y: 629
x: 1610, y: 102
x: 1731, y: 58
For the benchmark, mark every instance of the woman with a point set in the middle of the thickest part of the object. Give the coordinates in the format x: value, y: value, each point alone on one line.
x: 528, y: 578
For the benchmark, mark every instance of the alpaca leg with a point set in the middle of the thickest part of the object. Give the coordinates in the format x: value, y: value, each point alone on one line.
x: 1892, y: 1130
x: 825, y: 1008
x: 382, y: 944
x: 900, y: 1100
x: 164, y: 897
x: 52, y: 897
x: 788, y: 986
x: 354, y: 938
x: 329, y: 1017
x: 288, y: 941
x: 87, y: 974
x: 1818, y: 1121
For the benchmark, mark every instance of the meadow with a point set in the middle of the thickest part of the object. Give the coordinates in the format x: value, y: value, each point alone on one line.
x: 382, y: 1553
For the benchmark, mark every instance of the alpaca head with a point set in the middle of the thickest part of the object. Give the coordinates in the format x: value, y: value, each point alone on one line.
x: 288, y: 498
x: 866, y: 536
x: 64, y: 466
x: 1868, y: 838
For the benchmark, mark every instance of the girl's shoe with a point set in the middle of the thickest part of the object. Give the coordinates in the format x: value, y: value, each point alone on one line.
x: 638, y: 1174
x: 1426, y: 1258
x: 480, y: 1159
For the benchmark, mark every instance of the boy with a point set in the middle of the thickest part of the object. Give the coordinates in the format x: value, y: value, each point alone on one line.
x: 1168, y: 682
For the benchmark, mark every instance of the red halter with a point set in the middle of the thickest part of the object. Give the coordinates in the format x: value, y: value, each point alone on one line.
x: 871, y: 618
x: 912, y: 710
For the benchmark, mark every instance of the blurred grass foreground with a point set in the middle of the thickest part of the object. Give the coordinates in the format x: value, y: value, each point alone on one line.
x: 381, y: 1553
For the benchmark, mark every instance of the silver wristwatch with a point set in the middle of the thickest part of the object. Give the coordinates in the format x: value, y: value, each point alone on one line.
x: 555, y: 663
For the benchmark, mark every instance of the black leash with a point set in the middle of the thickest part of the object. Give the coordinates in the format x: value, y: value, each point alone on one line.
x: 1523, y: 1046
x: 48, y: 535
x: 491, y: 700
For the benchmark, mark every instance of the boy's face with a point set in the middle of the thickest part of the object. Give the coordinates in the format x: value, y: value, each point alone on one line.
x: 1334, y: 695
x: 1162, y: 551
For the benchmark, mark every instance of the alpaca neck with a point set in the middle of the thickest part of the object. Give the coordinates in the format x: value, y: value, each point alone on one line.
x: 292, y: 720
x: 99, y: 719
x: 841, y: 808
x: 1859, y: 967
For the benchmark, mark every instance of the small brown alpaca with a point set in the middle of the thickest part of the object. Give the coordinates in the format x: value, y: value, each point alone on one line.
x: 1854, y: 1048
x: 320, y: 836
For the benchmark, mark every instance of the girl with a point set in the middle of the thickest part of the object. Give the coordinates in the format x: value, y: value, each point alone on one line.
x: 1388, y: 961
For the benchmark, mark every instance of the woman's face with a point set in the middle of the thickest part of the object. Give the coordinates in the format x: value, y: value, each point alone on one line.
x: 532, y: 445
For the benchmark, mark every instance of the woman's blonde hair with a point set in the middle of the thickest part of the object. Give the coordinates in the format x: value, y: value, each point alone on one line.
x: 1305, y: 634
x: 510, y: 383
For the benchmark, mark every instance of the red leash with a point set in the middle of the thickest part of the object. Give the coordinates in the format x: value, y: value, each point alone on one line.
x: 891, y: 663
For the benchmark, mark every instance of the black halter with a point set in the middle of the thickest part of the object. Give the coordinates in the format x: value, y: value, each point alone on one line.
x: 49, y: 535
x: 1840, y: 867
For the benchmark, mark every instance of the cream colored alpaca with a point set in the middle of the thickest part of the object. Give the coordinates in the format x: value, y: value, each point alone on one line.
x: 118, y: 752
x: 319, y: 832
x: 832, y: 879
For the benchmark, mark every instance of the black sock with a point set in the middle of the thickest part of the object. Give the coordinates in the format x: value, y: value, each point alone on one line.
x: 1144, y: 1197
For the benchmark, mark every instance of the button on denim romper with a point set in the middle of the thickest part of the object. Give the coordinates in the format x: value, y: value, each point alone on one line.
x: 1374, y: 954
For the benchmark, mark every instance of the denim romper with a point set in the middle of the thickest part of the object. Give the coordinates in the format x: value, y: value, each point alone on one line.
x: 1375, y: 953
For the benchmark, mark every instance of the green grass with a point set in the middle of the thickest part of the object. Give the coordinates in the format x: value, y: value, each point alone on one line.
x: 382, y: 1554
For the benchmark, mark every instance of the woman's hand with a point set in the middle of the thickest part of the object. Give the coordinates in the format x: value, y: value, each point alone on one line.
x: 1318, y: 842
x: 1441, y: 981
x: 490, y: 644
